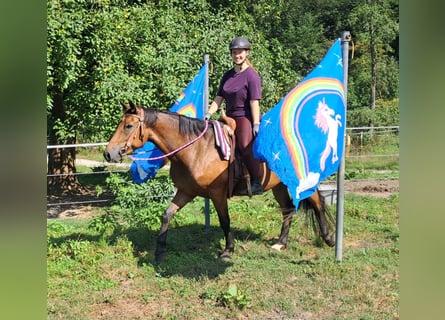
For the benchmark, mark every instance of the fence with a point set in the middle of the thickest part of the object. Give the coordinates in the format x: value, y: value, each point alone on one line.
x: 358, y: 147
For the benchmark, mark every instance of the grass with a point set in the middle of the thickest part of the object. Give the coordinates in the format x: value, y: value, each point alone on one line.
x: 115, y: 277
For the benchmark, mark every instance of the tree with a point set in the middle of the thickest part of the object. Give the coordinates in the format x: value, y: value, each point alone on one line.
x: 375, y: 25
x: 93, y: 64
x: 107, y: 51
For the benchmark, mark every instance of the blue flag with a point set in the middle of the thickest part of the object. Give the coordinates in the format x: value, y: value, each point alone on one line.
x: 190, y: 103
x: 301, y: 138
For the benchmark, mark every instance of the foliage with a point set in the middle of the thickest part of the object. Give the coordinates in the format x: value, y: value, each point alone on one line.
x: 386, y: 113
x: 135, y: 205
x: 375, y: 35
x: 109, y: 51
x: 103, y: 52
x: 233, y: 298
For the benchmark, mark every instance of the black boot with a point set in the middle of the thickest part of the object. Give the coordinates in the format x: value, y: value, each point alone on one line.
x: 257, y: 188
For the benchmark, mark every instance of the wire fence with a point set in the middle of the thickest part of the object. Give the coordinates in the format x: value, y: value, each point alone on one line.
x: 358, y: 138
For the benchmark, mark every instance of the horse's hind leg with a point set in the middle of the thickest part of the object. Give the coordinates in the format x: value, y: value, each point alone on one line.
x: 180, y: 200
x: 281, y: 194
x: 325, y: 221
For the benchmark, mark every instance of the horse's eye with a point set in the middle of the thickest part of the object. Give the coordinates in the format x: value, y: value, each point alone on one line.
x: 128, y: 126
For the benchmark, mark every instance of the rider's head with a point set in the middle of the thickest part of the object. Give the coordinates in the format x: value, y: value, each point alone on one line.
x: 239, y: 50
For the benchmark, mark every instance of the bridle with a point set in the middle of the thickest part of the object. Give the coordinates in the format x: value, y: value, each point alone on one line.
x: 140, y: 127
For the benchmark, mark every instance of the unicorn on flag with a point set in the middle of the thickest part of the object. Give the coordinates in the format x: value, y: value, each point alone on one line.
x: 325, y: 121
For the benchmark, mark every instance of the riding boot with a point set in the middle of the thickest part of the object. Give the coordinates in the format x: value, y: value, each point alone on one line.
x: 257, y: 188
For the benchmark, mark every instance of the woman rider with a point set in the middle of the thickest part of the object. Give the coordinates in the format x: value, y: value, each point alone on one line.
x: 240, y: 88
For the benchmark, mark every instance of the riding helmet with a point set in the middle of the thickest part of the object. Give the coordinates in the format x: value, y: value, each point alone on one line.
x: 240, y: 43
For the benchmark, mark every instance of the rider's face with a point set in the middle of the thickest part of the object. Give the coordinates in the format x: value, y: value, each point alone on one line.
x: 239, y: 55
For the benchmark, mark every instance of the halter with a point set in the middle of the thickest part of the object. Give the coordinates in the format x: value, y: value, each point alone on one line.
x: 141, y: 119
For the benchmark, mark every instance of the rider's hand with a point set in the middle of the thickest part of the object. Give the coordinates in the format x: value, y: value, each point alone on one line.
x: 255, y: 129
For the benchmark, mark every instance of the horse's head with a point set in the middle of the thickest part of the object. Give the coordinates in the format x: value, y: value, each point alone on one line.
x: 129, y: 134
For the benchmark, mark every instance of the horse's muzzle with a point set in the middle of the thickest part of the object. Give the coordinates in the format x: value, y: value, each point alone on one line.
x: 114, y: 156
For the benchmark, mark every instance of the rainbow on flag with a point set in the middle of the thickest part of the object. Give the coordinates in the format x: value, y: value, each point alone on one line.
x: 189, y: 103
x: 301, y: 138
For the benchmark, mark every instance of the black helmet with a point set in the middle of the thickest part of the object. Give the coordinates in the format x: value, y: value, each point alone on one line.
x: 240, y: 43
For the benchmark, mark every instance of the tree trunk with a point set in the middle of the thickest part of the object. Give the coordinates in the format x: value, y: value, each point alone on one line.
x: 373, y: 61
x: 373, y: 70
x: 372, y: 45
x: 61, y: 161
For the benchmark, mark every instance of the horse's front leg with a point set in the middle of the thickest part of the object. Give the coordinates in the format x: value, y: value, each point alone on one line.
x: 222, y: 209
x: 180, y: 200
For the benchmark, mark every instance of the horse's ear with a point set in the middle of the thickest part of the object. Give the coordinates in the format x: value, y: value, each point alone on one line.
x: 125, y: 107
x: 132, y: 106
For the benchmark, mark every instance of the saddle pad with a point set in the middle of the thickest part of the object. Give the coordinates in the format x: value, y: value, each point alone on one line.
x: 221, y: 139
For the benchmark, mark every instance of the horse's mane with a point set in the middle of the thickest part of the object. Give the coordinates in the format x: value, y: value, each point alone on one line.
x: 187, y: 126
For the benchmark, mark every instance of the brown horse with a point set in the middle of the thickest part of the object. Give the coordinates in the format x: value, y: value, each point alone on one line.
x: 197, y: 169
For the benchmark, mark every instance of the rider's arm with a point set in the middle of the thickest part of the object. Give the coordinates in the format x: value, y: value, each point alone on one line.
x: 215, y: 105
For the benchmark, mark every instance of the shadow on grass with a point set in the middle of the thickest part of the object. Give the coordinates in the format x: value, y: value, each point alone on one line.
x: 191, y: 251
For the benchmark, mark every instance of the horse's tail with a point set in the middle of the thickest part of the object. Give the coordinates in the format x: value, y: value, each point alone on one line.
x: 318, y: 217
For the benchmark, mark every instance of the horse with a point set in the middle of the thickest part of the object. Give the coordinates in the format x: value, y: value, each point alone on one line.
x: 197, y: 169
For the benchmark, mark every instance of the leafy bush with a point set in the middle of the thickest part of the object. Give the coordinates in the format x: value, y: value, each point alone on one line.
x: 386, y: 113
x: 135, y: 205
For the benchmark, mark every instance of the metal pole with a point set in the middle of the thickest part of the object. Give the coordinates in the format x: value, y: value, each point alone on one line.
x: 206, y: 107
x: 345, y: 37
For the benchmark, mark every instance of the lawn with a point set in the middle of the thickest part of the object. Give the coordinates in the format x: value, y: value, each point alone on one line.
x: 112, y: 275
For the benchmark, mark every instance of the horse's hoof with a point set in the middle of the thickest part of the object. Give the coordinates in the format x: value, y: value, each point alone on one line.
x: 278, y: 247
x: 225, y: 257
x: 330, y: 241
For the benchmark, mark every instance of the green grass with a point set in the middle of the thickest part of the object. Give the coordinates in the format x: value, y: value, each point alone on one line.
x: 115, y: 277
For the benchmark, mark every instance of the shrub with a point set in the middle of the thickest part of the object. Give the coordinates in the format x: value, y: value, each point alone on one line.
x: 386, y: 113
x: 135, y: 205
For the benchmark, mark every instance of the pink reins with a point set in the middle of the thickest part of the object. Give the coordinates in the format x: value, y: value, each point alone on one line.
x: 176, y: 150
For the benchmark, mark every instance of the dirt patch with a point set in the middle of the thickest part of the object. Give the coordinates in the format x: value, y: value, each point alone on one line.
x: 84, y: 205
x: 374, y: 188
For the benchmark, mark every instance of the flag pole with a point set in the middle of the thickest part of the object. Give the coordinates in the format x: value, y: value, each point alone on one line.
x: 345, y: 37
x: 206, y: 107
